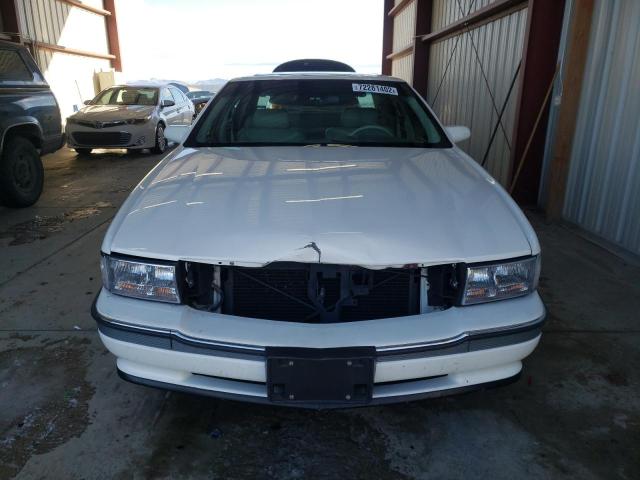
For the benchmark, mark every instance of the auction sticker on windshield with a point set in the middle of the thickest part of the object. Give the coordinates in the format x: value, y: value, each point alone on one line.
x: 372, y: 88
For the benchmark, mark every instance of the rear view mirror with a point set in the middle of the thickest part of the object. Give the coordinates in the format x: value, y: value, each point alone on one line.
x: 458, y: 133
x: 167, y: 103
x: 176, y: 133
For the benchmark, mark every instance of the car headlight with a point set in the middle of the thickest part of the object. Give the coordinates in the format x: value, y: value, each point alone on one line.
x: 138, y: 121
x: 147, y: 280
x: 498, y: 281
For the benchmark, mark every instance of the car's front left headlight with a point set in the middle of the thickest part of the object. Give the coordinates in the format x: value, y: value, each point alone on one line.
x: 498, y: 281
x: 147, y: 280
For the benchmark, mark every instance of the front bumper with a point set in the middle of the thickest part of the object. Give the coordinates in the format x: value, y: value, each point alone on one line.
x: 422, y: 356
x: 121, y: 136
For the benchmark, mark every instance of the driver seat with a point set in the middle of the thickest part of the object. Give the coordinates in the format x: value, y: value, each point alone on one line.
x: 351, y: 119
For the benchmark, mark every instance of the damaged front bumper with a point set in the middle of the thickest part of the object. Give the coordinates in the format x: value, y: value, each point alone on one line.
x: 420, y: 356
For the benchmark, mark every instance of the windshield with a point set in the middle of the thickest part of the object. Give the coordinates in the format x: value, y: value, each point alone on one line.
x: 317, y: 112
x: 127, y: 96
x: 199, y: 93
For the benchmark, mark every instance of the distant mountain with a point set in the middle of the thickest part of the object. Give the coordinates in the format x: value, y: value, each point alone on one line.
x: 213, y: 84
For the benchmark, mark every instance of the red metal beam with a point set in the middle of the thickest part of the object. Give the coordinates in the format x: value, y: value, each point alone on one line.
x: 112, y: 35
x: 71, y: 51
x: 9, y: 17
x: 421, y: 49
x: 539, y: 58
x: 387, y: 38
x: 494, y: 9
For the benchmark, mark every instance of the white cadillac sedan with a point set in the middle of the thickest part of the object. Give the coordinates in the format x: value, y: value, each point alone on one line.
x: 318, y: 240
x: 129, y: 116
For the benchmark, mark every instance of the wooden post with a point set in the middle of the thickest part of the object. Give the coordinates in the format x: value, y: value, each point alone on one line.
x: 577, y: 51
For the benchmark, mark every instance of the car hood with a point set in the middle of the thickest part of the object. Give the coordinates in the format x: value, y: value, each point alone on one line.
x: 113, y: 112
x: 373, y: 207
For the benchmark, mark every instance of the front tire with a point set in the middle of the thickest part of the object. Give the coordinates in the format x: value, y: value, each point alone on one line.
x: 21, y: 173
x: 83, y: 151
x: 161, y: 141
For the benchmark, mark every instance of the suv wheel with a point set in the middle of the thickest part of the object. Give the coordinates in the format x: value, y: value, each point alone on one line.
x: 83, y: 151
x: 161, y: 141
x: 21, y: 173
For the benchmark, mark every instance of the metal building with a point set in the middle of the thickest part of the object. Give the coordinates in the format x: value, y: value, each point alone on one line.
x: 72, y: 43
x: 548, y: 90
x: 603, y: 184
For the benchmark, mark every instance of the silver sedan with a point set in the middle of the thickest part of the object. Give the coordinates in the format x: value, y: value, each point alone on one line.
x: 129, y: 116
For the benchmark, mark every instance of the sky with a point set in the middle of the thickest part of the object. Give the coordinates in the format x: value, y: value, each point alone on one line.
x: 194, y: 40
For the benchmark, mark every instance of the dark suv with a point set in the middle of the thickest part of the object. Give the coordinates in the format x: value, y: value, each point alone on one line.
x: 29, y: 126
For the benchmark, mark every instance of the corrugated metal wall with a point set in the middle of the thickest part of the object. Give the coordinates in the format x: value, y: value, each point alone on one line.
x: 603, y: 188
x: 404, y: 25
x: 403, y: 68
x: 457, y: 89
x: 71, y: 76
x: 446, y: 12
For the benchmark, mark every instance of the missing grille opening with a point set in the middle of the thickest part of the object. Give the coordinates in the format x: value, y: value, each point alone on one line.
x: 316, y: 293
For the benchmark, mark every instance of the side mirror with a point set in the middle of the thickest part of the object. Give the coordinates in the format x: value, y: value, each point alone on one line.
x: 87, y: 102
x: 176, y: 133
x: 458, y: 133
x: 167, y: 103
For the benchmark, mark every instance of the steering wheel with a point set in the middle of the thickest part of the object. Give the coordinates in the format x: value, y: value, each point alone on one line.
x: 373, y: 129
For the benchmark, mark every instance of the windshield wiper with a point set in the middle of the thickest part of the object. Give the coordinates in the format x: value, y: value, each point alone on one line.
x: 330, y: 145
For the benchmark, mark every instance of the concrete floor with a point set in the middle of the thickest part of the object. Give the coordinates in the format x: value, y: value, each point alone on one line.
x: 64, y: 413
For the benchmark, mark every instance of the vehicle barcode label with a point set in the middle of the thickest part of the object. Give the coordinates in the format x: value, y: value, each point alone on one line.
x: 372, y: 88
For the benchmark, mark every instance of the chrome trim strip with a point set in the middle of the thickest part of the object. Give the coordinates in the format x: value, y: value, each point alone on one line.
x: 537, y: 323
x: 175, y: 334
x: 212, y: 343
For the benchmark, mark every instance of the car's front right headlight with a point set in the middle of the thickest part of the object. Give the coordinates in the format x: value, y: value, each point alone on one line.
x: 498, y: 281
x: 138, y: 121
x: 148, y: 280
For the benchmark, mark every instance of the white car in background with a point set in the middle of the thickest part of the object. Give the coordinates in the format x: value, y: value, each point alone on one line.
x: 318, y: 240
x: 129, y: 116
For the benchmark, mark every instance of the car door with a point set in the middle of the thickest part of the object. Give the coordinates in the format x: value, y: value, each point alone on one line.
x: 171, y: 114
x: 183, y: 110
x: 189, y: 109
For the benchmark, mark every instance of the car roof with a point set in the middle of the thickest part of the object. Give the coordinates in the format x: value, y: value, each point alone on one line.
x: 319, y: 76
x: 143, y: 85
